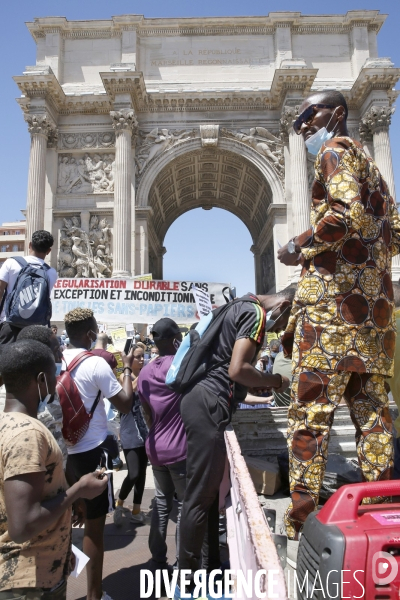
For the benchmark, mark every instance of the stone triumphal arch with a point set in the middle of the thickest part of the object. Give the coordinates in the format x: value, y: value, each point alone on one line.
x: 135, y: 121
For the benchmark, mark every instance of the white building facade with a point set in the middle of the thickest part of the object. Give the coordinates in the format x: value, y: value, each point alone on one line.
x: 135, y: 121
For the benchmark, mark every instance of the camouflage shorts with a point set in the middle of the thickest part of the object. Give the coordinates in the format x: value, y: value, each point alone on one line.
x: 58, y: 593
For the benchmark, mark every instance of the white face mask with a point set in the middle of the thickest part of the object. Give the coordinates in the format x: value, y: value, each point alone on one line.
x: 45, y: 400
x: 315, y: 142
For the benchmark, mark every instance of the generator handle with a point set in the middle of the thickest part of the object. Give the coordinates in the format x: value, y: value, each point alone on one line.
x: 343, y: 505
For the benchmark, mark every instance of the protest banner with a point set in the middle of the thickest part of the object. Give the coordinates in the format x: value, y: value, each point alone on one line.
x: 131, y: 300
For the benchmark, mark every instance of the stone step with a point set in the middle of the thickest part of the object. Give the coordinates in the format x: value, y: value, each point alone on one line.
x: 262, y: 432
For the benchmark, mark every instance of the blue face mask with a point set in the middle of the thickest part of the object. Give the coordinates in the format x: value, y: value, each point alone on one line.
x: 315, y: 142
x: 269, y: 323
x: 274, y: 354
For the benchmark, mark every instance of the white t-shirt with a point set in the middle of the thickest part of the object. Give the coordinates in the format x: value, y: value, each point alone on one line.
x: 9, y: 273
x: 92, y: 375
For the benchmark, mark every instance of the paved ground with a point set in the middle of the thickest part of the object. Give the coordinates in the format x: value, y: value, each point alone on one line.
x: 127, y: 549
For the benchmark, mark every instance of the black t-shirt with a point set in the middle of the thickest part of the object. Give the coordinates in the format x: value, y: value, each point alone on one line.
x: 243, y: 320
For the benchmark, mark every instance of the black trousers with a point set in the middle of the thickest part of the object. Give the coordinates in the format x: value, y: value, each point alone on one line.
x: 136, y: 462
x: 205, y: 417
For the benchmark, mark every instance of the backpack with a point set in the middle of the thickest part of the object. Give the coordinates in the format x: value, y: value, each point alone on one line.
x: 76, y: 419
x: 190, y: 362
x: 29, y: 302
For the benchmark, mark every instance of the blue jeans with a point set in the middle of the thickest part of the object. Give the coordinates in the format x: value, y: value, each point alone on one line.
x: 168, y: 479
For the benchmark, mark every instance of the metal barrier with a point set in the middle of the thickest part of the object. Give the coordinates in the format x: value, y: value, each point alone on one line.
x: 250, y: 540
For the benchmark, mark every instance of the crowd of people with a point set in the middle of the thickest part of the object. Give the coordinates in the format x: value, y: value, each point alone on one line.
x: 332, y: 338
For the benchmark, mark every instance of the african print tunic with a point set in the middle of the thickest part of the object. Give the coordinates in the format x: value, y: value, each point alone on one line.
x: 342, y: 312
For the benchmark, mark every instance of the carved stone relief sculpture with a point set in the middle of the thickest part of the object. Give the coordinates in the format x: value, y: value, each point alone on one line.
x: 264, y: 142
x: 209, y: 135
x: 86, y: 173
x: 86, y: 140
x: 157, y: 141
x: 85, y: 254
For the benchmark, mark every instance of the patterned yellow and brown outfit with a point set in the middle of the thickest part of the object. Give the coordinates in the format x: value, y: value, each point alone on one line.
x: 341, y: 333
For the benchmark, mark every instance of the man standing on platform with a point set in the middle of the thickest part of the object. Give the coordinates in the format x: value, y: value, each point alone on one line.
x: 340, y: 332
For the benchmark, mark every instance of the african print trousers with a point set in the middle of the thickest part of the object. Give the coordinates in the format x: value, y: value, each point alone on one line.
x: 315, y: 396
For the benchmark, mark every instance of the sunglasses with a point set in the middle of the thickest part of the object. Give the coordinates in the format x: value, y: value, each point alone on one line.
x: 307, y: 115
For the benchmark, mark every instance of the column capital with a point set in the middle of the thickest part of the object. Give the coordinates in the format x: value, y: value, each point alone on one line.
x: 288, y: 116
x: 41, y: 124
x: 124, y: 120
x: 376, y: 118
x: 255, y: 250
x: 365, y: 131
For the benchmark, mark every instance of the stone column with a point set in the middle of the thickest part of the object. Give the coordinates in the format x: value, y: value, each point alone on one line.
x: 298, y: 173
x: 257, y: 269
x: 160, y: 263
x: 40, y: 127
x: 144, y: 248
x: 377, y: 121
x: 125, y: 125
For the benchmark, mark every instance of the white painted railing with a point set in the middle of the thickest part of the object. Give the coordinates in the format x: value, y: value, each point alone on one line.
x: 251, y: 547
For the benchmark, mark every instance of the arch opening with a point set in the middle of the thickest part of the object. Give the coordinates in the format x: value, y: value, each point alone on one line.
x: 212, y: 178
x: 210, y: 245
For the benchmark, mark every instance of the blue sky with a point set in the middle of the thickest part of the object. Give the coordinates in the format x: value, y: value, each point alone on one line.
x: 210, y: 245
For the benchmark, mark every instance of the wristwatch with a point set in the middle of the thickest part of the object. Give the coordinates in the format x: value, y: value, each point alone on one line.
x: 292, y: 247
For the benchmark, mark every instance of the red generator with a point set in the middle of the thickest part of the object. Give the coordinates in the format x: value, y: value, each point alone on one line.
x: 348, y: 550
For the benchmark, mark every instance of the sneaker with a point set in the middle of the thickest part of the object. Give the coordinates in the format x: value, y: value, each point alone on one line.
x: 118, y: 512
x: 117, y: 464
x: 105, y: 596
x: 139, y: 518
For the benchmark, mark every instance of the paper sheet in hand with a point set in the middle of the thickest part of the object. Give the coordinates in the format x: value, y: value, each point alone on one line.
x: 81, y: 561
x: 203, y: 302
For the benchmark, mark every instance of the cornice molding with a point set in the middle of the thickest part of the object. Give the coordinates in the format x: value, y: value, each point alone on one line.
x: 263, y: 25
x: 128, y: 82
x: 378, y: 74
x: 374, y: 77
x: 294, y: 79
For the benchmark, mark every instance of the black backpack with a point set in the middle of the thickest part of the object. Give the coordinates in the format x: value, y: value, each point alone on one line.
x: 190, y: 363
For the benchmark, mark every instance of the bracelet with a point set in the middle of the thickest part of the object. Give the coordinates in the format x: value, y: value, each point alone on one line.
x: 125, y: 368
x: 127, y: 375
x: 276, y: 387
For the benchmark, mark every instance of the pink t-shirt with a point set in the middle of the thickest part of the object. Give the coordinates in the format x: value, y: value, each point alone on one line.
x: 166, y: 442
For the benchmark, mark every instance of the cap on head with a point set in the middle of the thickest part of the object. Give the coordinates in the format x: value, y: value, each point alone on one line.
x: 164, y: 329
